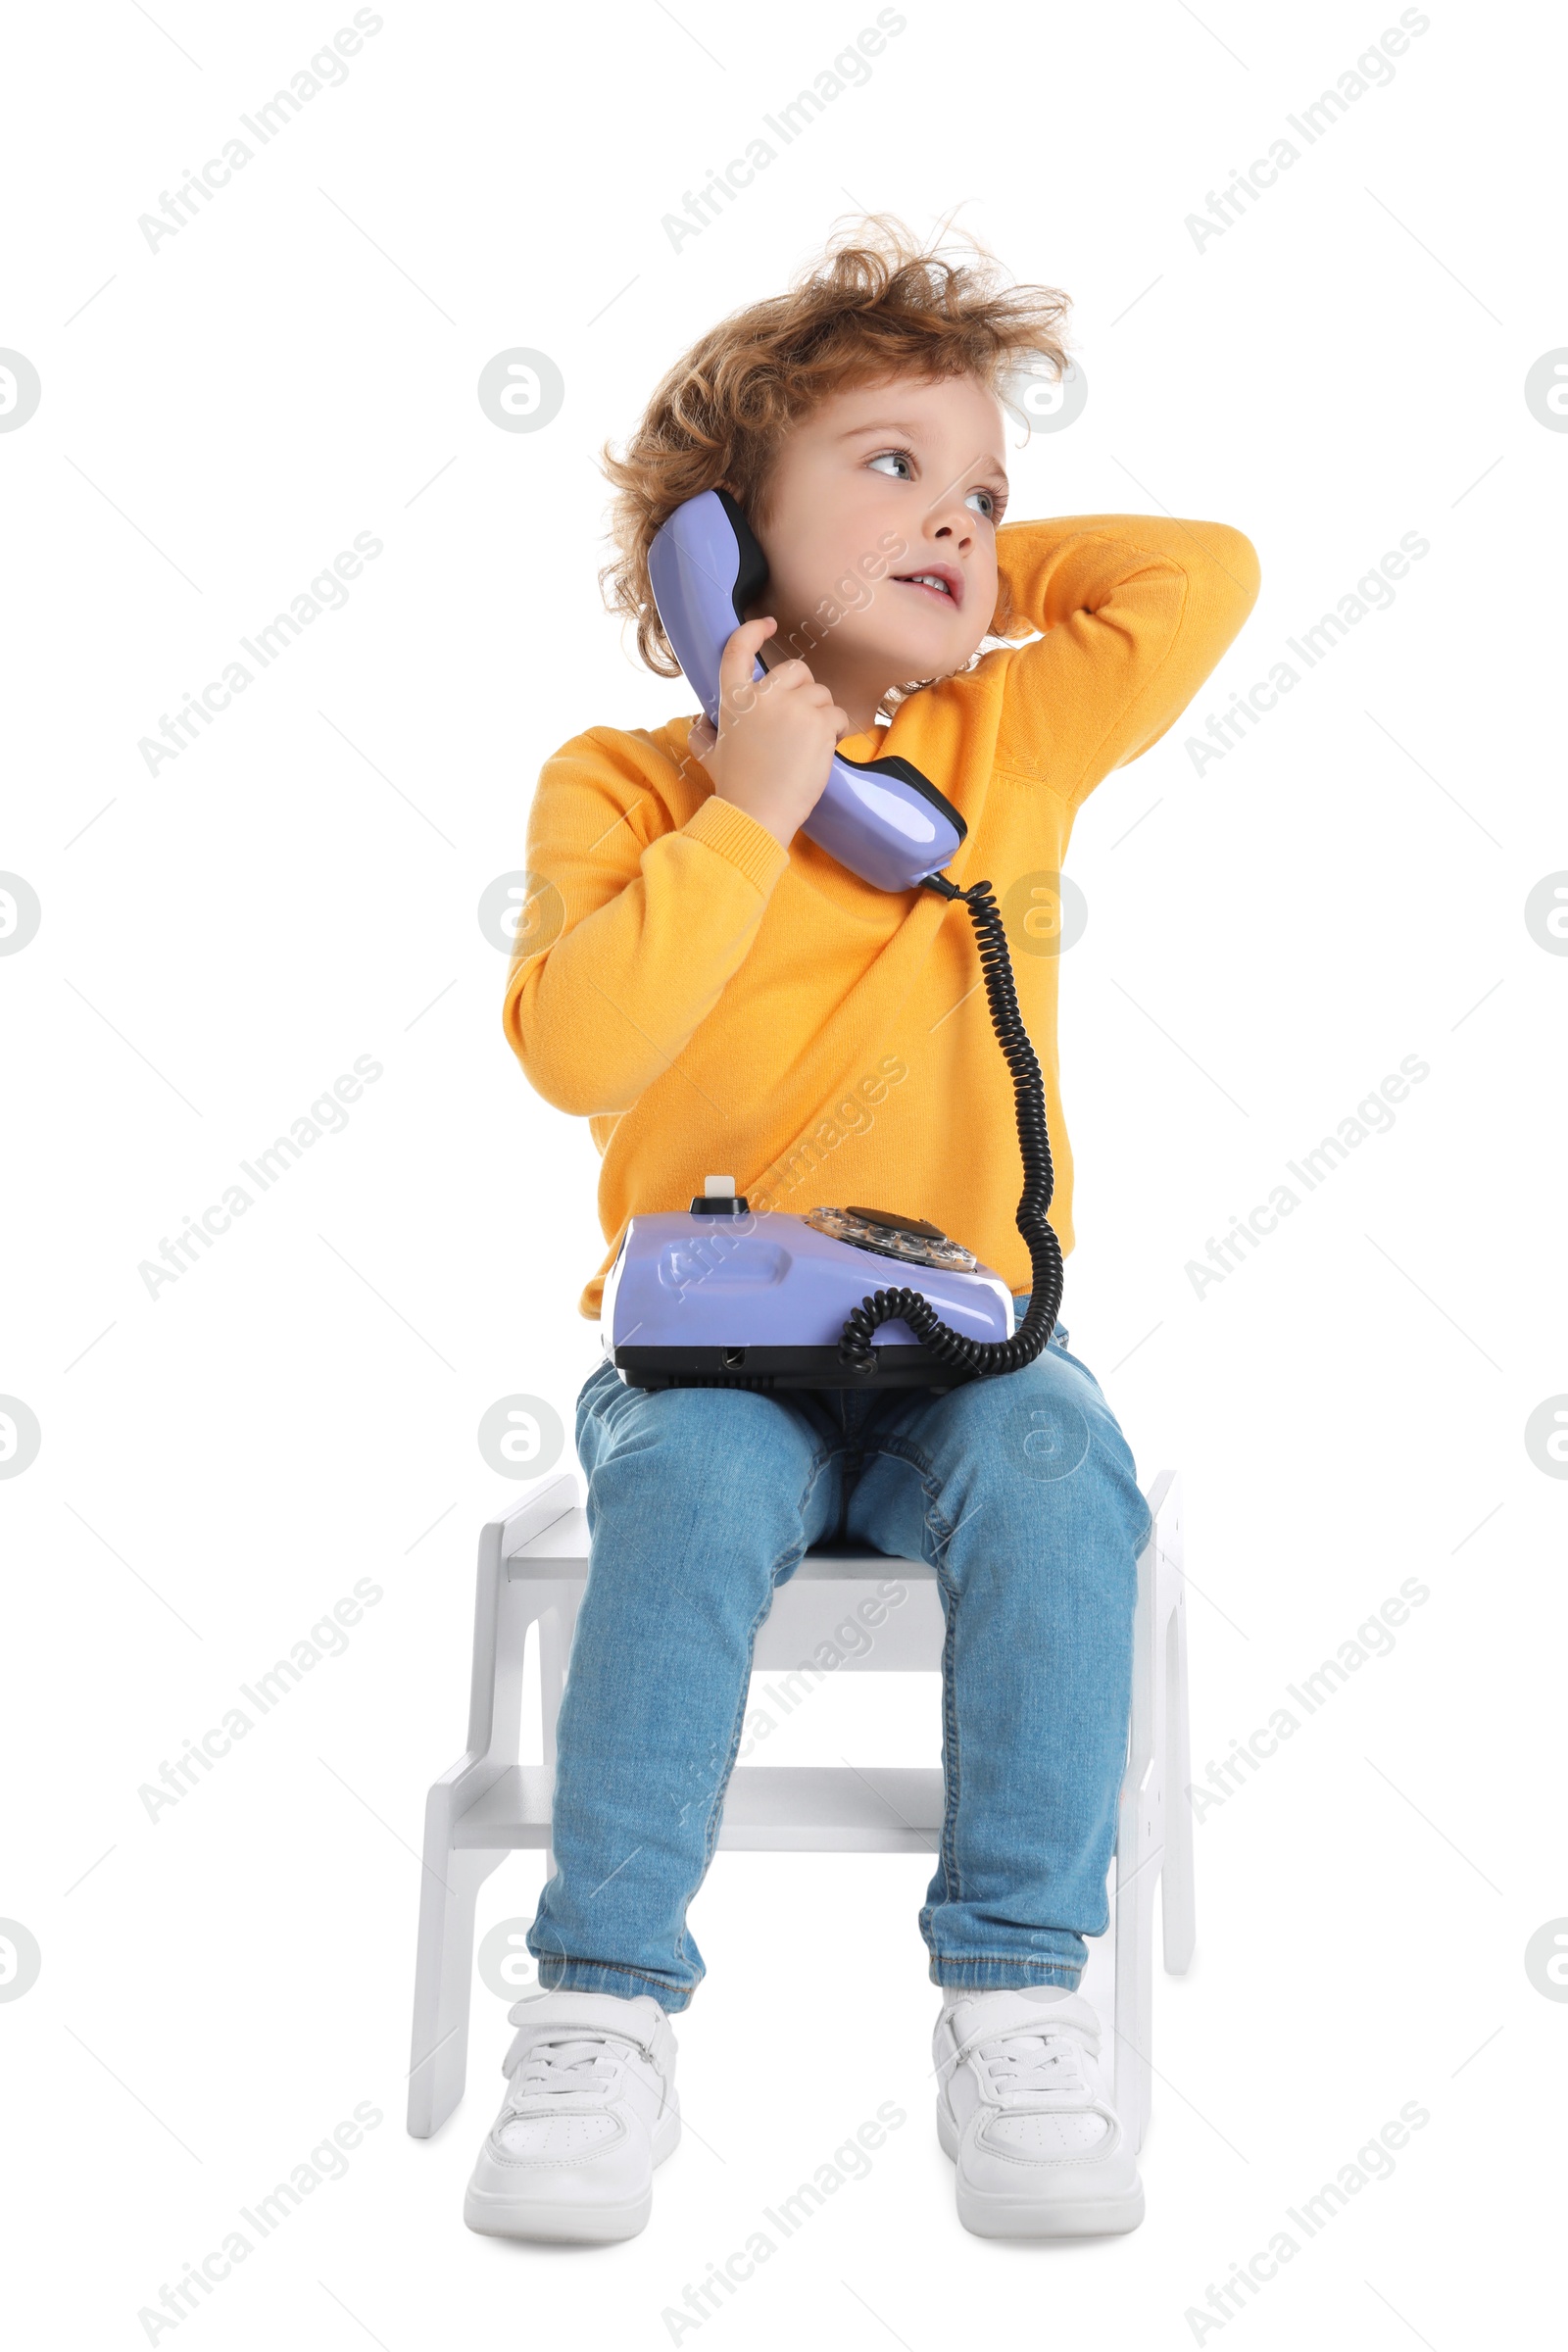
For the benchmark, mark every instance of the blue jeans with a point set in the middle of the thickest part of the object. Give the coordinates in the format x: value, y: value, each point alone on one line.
x: 1020, y: 1491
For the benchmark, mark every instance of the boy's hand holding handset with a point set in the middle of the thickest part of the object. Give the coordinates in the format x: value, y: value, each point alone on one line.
x: 776, y: 735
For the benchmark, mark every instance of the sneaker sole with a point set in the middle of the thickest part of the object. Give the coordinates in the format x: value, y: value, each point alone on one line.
x: 986, y: 2215
x: 550, y: 2224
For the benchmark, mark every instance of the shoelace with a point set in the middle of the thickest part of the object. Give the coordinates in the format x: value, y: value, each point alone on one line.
x: 1046, y: 2060
x: 566, y: 2063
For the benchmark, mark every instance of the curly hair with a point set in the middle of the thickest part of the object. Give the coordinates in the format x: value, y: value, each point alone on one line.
x: 876, y: 302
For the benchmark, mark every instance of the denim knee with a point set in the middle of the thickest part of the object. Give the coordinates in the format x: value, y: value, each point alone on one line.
x: 723, y: 1466
x: 1044, y: 1439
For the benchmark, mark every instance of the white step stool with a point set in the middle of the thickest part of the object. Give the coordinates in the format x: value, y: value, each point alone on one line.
x: 532, y: 1566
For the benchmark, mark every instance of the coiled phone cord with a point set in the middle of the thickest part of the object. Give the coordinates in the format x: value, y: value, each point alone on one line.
x: 978, y: 1357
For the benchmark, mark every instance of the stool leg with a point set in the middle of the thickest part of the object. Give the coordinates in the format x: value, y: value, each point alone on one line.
x: 557, y: 1625
x: 1178, y: 1904
x: 1135, y: 1989
x: 1138, y: 1859
x: 439, y: 2058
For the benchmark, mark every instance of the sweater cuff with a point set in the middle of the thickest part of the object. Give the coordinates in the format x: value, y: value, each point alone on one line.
x: 748, y: 845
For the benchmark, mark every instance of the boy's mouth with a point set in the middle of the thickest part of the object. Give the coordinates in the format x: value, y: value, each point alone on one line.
x: 938, y: 580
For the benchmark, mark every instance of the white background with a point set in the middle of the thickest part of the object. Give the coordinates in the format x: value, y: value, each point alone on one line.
x: 219, y: 1464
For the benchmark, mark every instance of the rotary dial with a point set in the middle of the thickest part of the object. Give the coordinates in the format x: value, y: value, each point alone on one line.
x: 910, y: 1238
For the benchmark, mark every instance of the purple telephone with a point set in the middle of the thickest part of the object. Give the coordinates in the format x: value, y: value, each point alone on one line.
x: 880, y: 818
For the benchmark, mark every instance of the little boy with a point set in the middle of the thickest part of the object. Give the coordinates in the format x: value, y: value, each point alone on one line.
x: 712, y: 991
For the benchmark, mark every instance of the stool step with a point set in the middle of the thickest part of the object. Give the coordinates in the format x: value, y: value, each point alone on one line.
x: 769, y: 1808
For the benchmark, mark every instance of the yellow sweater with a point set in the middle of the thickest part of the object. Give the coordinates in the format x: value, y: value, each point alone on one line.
x: 712, y: 1002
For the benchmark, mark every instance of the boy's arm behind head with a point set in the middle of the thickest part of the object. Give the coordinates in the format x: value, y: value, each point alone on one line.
x: 1135, y: 611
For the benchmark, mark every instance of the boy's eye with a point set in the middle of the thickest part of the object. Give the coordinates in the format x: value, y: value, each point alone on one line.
x: 901, y: 463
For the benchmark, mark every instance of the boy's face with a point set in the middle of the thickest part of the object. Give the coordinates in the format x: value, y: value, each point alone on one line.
x: 888, y: 479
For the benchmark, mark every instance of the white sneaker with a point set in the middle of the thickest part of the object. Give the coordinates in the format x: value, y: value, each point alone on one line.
x: 1023, y: 2111
x: 590, y: 2110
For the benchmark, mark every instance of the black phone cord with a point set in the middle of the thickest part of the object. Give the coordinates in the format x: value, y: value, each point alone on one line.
x: 976, y: 1359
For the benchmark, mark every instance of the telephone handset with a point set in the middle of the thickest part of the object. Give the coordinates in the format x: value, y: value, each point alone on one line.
x: 880, y: 818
